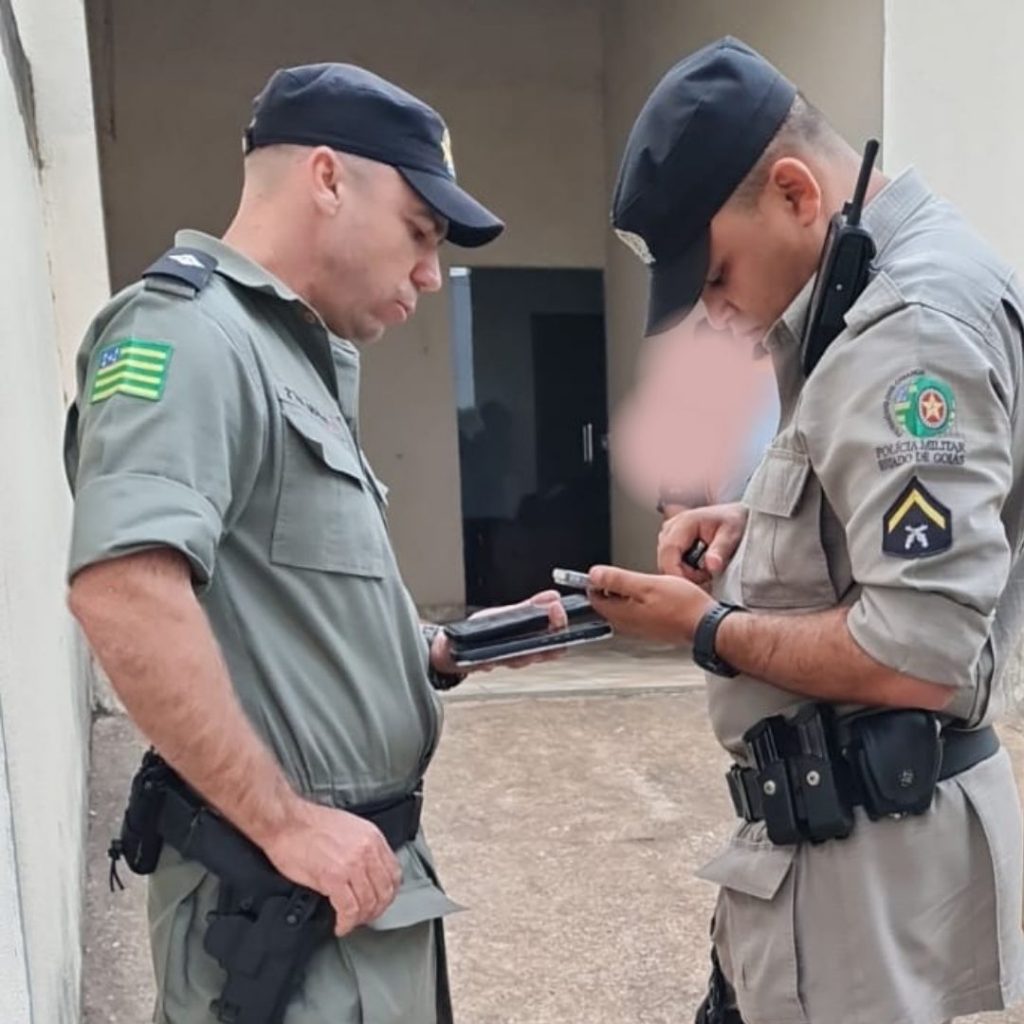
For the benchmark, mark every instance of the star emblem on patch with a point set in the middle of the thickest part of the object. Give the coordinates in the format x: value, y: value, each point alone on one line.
x: 917, y: 524
x: 932, y: 409
x: 921, y: 405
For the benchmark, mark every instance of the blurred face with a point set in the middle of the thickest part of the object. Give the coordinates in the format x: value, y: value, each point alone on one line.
x: 764, y: 252
x: 376, y: 247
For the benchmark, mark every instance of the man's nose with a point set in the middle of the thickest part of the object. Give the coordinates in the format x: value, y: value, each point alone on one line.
x: 719, y: 312
x: 426, y: 274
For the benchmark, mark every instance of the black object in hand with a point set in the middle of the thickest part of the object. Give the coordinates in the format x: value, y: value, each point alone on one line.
x: 695, y: 554
x: 512, y: 623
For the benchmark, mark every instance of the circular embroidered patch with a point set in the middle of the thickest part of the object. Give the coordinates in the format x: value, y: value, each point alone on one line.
x: 922, y: 405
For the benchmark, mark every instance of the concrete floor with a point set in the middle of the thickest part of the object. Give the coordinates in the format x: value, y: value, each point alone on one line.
x: 568, y: 808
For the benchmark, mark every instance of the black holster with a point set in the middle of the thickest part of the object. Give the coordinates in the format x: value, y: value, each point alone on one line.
x: 263, y: 945
x: 715, y: 1008
x: 265, y: 928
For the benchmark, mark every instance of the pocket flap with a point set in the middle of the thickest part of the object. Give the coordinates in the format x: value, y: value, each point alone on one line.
x: 757, y: 869
x: 778, y: 483
x: 329, y: 446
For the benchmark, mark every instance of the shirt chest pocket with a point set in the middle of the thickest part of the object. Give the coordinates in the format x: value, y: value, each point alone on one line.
x: 327, y: 516
x: 784, y: 563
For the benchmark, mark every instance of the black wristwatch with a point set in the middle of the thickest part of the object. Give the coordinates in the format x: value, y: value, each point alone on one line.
x: 704, y: 640
x: 438, y: 680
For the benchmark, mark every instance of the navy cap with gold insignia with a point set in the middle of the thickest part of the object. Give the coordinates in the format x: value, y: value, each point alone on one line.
x: 355, y: 111
x: 697, y: 137
x: 916, y: 524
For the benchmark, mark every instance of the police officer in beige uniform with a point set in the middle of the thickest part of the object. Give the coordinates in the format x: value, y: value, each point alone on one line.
x: 864, y: 591
x: 230, y: 561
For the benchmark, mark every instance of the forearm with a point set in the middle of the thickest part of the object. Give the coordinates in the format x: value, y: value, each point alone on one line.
x: 815, y: 656
x: 154, y: 642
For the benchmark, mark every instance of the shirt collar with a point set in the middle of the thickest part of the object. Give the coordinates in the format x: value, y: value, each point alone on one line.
x: 891, y: 208
x: 239, y: 268
x: 883, y: 217
x: 235, y: 265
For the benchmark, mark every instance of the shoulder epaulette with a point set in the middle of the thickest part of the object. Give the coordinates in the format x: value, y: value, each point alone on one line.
x: 180, y: 271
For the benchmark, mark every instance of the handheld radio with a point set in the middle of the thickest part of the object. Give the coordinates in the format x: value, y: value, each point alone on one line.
x: 843, y: 271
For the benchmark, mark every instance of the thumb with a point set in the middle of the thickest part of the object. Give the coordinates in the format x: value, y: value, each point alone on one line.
x: 552, y: 601
x: 618, y: 582
x: 721, y: 549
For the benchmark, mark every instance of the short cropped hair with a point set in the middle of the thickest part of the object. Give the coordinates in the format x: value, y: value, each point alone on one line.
x: 804, y: 131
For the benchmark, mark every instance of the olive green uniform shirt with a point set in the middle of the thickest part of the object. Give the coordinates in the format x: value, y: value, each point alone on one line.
x: 224, y: 425
x: 895, y: 487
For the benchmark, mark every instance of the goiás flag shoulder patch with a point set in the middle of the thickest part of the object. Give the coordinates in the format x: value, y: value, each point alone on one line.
x: 133, y: 367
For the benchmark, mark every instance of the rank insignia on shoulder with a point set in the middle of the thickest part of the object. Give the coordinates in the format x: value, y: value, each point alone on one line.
x: 180, y: 271
x: 916, y: 524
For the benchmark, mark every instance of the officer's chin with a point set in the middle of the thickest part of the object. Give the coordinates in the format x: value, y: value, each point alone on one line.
x: 375, y: 328
x: 372, y: 337
x: 366, y: 332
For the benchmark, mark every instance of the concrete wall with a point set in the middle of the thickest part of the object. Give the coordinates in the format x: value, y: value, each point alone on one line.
x: 832, y: 49
x: 520, y: 86
x: 51, y: 267
x: 55, y: 36
x: 952, y: 91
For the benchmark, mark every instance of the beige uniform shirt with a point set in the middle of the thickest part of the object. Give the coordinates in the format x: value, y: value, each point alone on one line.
x: 224, y: 425
x: 895, y: 486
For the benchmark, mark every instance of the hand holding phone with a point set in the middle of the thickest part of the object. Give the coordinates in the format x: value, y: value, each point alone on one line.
x: 521, y: 631
x: 538, y: 643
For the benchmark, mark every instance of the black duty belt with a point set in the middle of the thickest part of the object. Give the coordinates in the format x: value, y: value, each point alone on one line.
x: 199, y: 833
x: 813, y: 769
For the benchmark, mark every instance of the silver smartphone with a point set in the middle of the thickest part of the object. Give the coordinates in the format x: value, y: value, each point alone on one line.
x: 571, y: 578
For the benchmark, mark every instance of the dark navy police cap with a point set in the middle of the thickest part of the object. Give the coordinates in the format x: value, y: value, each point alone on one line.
x: 355, y: 111
x: 697, y: 137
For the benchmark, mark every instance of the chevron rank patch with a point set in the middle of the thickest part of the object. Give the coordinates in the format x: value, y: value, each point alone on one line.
x: 916, y: 524
x: 132, y: 367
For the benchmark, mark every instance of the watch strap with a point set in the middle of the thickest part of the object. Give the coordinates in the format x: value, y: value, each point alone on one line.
x: 438, y: 680
x: 704, y: 653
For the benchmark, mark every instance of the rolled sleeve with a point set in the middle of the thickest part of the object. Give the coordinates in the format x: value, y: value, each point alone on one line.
x: 927, y: 610
x: 131, y: 512
x: 880, y: 622
x: 173, y: 470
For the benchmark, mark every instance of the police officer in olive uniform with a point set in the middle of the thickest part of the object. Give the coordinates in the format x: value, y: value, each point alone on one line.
x: 230, y: 561
x: 865, y: 589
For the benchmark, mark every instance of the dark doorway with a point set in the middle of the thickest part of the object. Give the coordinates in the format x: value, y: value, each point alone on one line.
x: 569, y: 379
x: 531, y: 369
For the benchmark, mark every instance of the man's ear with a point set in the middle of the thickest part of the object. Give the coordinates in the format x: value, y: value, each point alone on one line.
x: 326, y: 175
x: 792, y: 182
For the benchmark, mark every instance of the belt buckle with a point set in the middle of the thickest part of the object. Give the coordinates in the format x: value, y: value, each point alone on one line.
x: 738, y: 792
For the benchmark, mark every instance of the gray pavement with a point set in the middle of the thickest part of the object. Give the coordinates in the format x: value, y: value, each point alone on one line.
x: 568, y: 809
